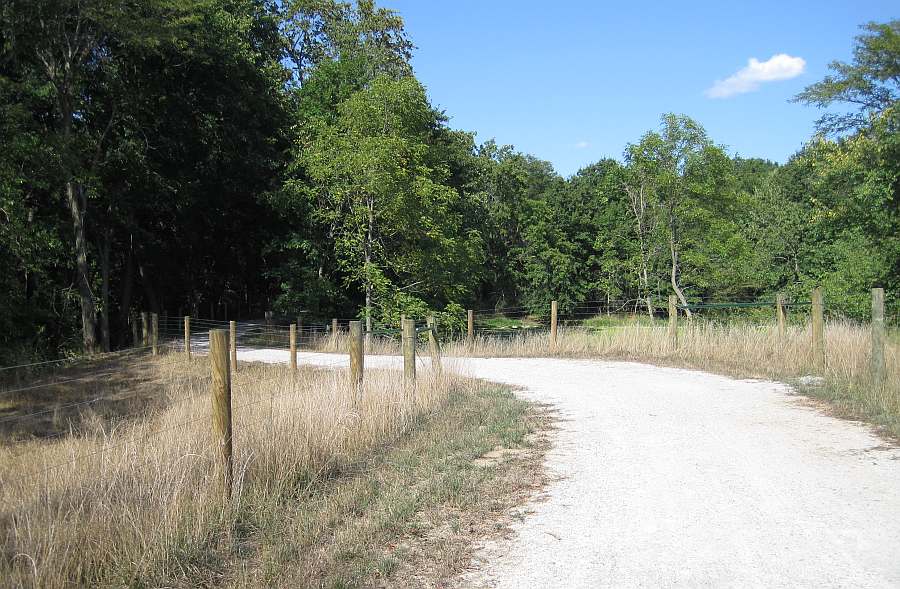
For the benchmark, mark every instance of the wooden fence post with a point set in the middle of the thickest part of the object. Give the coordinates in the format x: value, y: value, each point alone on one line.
x: 187, y: 336
x: 779, y: 314
x: 878, y: 337
x: 818, y: 326
x: 293, y: 346
x: 434, y: 345
x: 334, y: 327
x: 145, y: 329
x: 232, y: 343
x: 221, y: 403
x: 673, y: 322
x: 154, y: 333
x: 554, y: 309
x: 356, y: 353
x: 409, y: 351
x: 470, y: 330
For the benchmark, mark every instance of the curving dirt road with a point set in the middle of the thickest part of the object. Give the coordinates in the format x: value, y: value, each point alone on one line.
x: 676, y: 478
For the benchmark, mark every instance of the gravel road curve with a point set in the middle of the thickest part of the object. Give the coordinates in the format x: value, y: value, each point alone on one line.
x: 676, y: 478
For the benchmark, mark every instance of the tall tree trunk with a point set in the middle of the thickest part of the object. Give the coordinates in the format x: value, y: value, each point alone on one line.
x: 673, y: 251
x: 149, y: 292
x: 639, y: 207
x: 104, y: 291
x: 674, y: 276
x: 648, y: 299
x: 127, y: 289
x: 30, y: 280
x: 369, y: 231
x: 74, y: 198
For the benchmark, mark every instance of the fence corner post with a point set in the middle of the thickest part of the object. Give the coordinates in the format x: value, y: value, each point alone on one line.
x: 470, y: 330
x: 818, y: 326
x: 673, y: 322
x: 221, y: 404
x: 878, y: 337
x: 434, y: 345
x: 356, y: 353
x: 409, y: 352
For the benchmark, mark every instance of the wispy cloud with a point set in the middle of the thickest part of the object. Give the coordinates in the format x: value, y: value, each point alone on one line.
x: 583, y: 144
x: 778, y: 67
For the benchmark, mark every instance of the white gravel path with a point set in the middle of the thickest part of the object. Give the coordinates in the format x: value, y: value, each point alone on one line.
x: 677, y: 478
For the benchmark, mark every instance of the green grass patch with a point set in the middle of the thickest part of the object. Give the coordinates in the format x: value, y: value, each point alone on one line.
x: 508, y: 323
x: 602, y: 321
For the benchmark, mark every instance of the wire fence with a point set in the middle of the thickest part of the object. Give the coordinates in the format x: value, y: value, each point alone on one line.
x: 92, y: 380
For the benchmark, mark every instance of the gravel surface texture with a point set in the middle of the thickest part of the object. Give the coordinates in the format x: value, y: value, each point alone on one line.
x: 676, y: 478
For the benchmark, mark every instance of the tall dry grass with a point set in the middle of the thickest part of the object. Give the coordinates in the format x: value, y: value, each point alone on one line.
x: 741, y: 350
x: 139, y: 504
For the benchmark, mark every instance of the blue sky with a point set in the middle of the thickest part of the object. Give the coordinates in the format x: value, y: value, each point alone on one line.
x: 574, y: 81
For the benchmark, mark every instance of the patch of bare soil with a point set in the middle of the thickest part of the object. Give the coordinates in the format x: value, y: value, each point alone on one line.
x: 514, y: 478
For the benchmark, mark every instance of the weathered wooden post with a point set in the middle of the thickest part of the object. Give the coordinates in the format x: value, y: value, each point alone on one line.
x: 187, y: 336
x: 145, y: 329
x: 779, y: 314
x: 470, y: 330
x: 221, y: 404
x: 434, y: 345
x: 356, y: 352
x: 293, y: 346
x: 554, y: 308
x: 232, y: 343
x: 154, y: 333
x: 673, y: 322
x: 334, y: 326
x: 818, y: 326
x: 878, y: 337
x: 409, y: 351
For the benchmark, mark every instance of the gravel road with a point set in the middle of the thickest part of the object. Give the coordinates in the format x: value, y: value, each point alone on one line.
x: 676, y: 478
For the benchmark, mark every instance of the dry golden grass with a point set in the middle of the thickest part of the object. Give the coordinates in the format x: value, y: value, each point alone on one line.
x: 740, y: 350
x: 139, y: 503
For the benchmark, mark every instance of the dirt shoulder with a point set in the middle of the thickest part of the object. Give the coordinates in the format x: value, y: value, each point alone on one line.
x: 410, y: 515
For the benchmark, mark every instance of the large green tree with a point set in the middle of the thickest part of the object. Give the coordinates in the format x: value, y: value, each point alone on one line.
x: 870, y: 84
x: 381, y: 188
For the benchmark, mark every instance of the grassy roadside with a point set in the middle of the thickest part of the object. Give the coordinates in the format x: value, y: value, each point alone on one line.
x: 844, y: 382
x: 334, y: 487
x: 405, y: 516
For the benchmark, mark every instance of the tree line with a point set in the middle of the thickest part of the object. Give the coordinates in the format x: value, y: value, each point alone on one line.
x: 221, y: 158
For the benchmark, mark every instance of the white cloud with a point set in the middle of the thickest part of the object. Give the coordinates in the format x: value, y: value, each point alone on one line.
x: 778, y: 67
x: 583, y: 144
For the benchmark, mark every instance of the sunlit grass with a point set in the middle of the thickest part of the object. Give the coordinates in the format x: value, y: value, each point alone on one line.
x: 140, y: 503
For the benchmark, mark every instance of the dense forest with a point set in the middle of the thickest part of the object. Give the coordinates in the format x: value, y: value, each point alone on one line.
x: 221, y: 158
